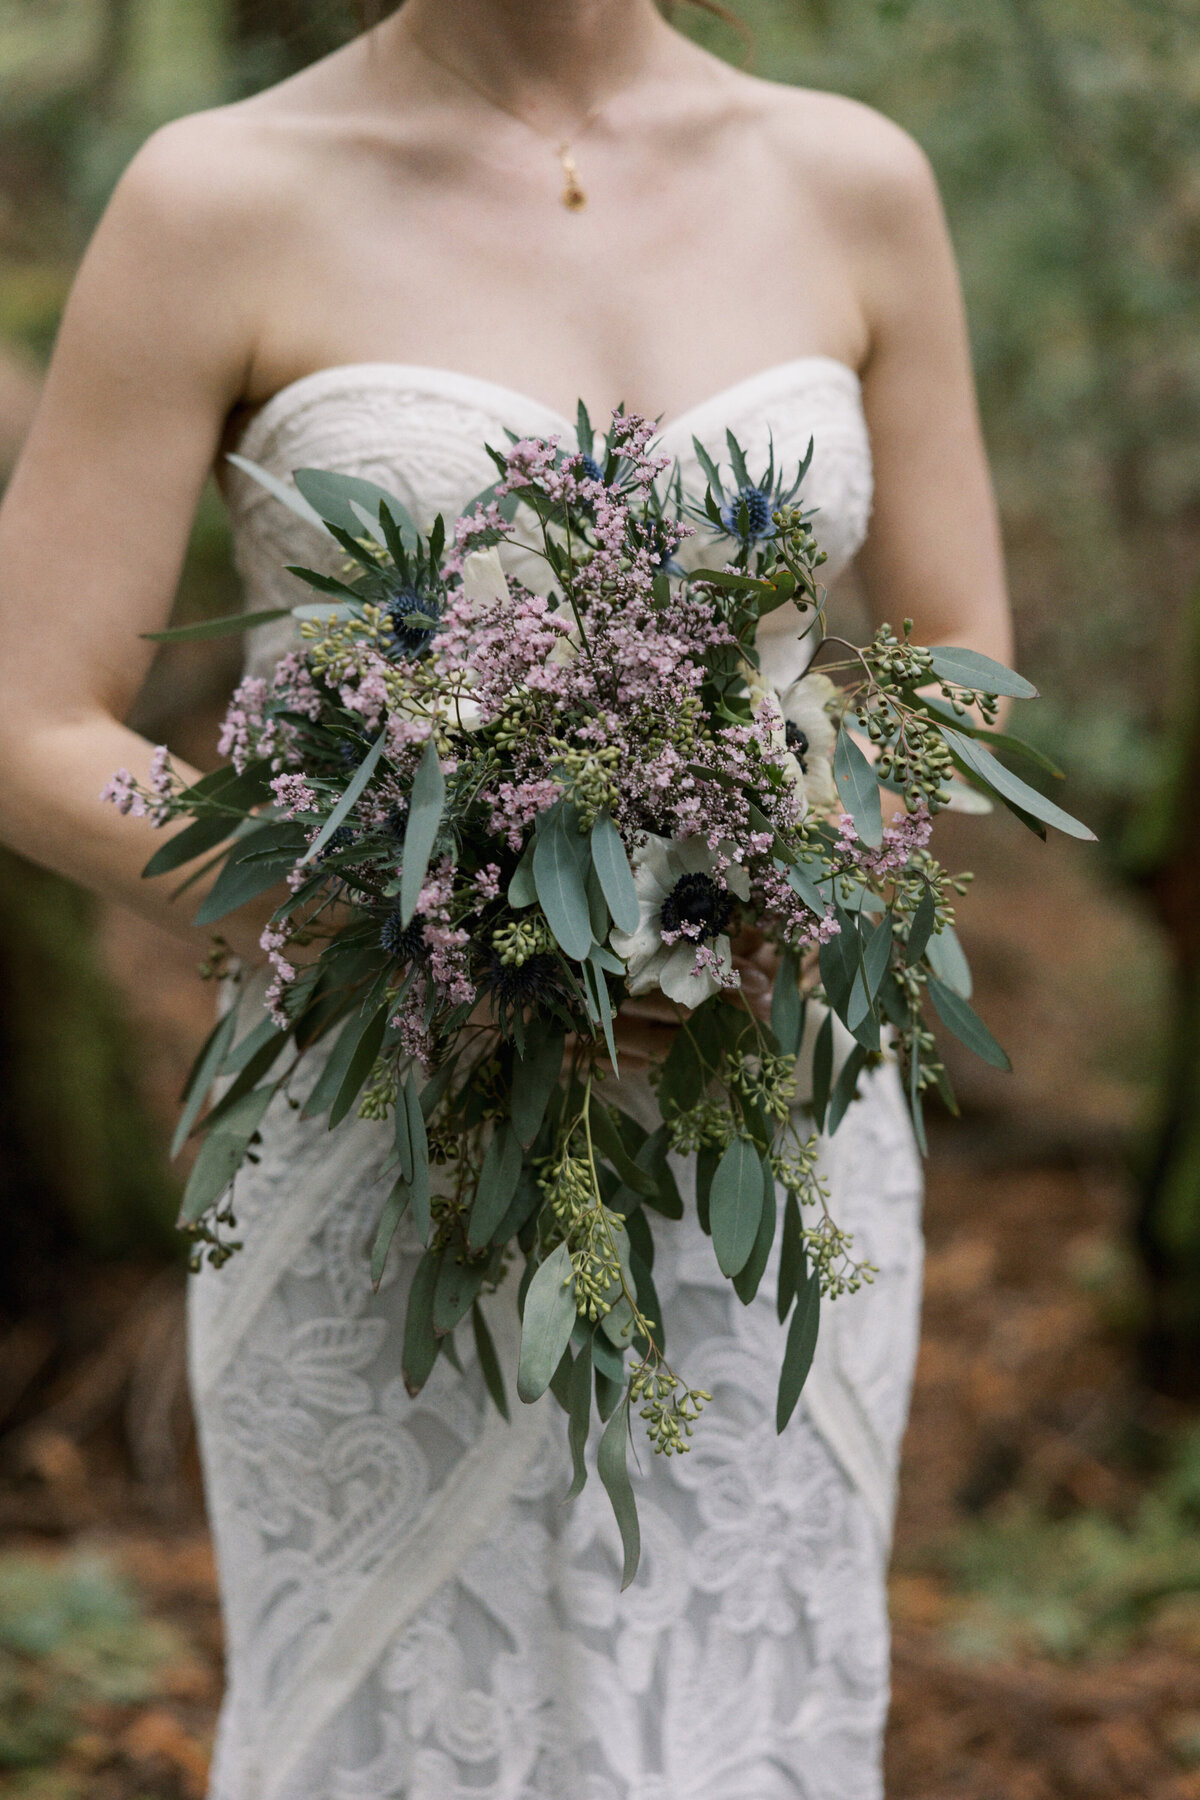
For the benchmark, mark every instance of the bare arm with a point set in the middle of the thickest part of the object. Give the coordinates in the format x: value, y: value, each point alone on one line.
x: 933, y: 553
x: 95, y: 523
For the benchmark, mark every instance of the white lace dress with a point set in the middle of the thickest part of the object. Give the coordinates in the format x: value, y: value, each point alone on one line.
x: 413, y: 1612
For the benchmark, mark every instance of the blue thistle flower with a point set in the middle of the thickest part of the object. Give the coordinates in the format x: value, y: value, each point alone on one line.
x: 519, y: 985
x: 591, y: 468
x: 397, y: 818
x: 758, y: 515
x: 342, y: 838
x: 405, y: 942
x: 405, y: 604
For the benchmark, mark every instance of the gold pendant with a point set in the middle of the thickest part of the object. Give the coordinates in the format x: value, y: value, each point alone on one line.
x: 572, y: 196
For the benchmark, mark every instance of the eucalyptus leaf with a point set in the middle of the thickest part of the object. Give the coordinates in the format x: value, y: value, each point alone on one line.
x: 822, y: 1070
x: 793, y: 1264
x: 616, y: 877
x: 921, y: 929
x: 547, y: 1323
x: 421, y: 1199
x: 328, y: 1084
x: 746, y: 1283
x: 214, y: 628
x: 612, y: 1468
x: 330, y: 495
x: 522, y: 890
x: 594, y: 969
x: 457, y: 1289
x: 970, y: 669
x: 497, y: 1184
x: 421, y: 828
x: 561, y: 889
x: 489, y: 1362
x: 947, y: 959
x: 348, y: 800
x: 608, y: 1141
x: 877, y: 955
x: 1016, y: 794
x: 802, y: 883
x: 735, y: 1205
x: 222, y: 1153
x: 359, y: 1066
x: 859, y: 789
x: 579, y: 1410
x: 201, y: 835
x: 844, y: 1087
x: 288, y: 496
x: 242, y: 880
x: 787, y: 1008
x: 421, y: 1343
x: 394, y: 1208
x: 247, y: 1048
x: 202, y: 1075
x: 801, y: 1347
x: 966, y: 1024
x: 535, y: 1076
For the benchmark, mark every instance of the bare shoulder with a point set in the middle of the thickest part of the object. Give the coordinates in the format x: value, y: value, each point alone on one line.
x: 868, y: 172
x: 212, y: 175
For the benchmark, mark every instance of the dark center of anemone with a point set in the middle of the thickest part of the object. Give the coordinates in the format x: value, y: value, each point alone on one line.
x: 405, y: 942
x: 699, y: 904
x: 406, y: 609
x: 523, y: 984
x: 797, y: 743
x: 757, y: 523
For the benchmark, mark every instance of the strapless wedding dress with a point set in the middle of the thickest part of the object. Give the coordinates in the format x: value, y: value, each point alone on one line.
x: 412, y: 1610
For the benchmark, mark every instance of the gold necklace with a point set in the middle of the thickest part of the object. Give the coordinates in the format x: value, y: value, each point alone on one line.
x: 573, y: 195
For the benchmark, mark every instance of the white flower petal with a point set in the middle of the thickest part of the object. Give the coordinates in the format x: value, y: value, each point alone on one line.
x: 693, y: 856
x: 483, y: 577
x: 737, y: 881
x: 650, y: 974
x: 678, y: 981
x: 653, y: 870
x: 635, y: 946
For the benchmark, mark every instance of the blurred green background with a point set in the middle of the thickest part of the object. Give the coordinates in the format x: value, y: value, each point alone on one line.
x: 1066, y: 136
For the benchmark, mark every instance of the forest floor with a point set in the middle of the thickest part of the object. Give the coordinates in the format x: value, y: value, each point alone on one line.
x: 1046, y: 1589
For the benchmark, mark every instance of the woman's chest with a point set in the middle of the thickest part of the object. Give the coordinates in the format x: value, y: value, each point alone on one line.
x: 653, y: 295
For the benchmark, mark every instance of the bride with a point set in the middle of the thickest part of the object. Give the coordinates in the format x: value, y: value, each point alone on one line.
x: 476, y: 212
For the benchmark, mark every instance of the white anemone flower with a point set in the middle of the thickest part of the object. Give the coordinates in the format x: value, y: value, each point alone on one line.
x: 677, y: 884
x: 483, y: 575
x: 811, y: 735
x: 483, y: 582
x: 765, y: 697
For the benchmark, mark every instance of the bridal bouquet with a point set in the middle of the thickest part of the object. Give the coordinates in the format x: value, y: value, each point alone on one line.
x: 494, y: 813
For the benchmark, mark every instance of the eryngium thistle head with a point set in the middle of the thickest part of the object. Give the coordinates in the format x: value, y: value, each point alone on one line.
x: 519, y: 985
x: 405, y: 607
x: 405, y: 942
x: 591, y: 468
x: 700, y: 903
x: 758, y: 514
x: 341, y: 839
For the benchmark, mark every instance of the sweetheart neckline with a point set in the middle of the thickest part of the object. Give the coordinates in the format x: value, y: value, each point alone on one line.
x: 266, y: 414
